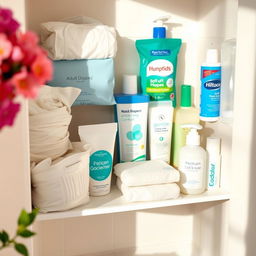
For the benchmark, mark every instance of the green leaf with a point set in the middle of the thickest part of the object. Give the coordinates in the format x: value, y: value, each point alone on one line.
x: 22, y: 249
x: 4, y: 237
x: 26, y: 233
x: 24, y: 218
x: 32, y: 215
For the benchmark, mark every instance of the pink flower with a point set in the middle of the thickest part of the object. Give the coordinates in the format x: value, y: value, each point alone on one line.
x: 5, y: 47
x: 8, y: 112
x: 17, y: 54
x: 42, y: 69
x: 28, y: 44
x: 8, y: 25
x: 25, y: 84
x: 6, y: 91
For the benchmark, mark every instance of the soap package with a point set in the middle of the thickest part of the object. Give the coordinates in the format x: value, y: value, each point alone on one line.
x: 62, y: 184
x: 94, y: 77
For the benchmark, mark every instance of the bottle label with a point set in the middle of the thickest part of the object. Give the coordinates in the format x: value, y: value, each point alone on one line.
x: 192, y: 174
x: 100, y: 165
x: 160, y: 80
x: 210, y: 91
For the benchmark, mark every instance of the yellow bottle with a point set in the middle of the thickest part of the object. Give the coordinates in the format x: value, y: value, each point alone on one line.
x: 185, y: 114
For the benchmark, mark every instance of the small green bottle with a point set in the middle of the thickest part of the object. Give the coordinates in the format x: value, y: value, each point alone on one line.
x: 185, y: 114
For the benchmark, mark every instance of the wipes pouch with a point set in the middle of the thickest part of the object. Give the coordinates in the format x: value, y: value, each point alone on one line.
x: 158, y: 63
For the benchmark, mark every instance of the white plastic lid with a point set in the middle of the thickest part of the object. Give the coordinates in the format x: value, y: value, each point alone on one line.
x: 212, y: 56
x: 193, y: 138
x: 130, y: 84
x: 213, y: 145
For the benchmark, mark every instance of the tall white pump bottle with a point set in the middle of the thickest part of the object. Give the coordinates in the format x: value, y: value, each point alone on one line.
x: 192, y: 163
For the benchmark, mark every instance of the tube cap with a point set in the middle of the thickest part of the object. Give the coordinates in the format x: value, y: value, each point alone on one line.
x: 212, y: 56
x: 186, y: 96
x: 213, y: 145
x: 159, y: 32
x: 130, y: 84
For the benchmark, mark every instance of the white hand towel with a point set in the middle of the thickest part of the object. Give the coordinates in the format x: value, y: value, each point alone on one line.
x: 146, y: 173
x: 69, y: 40
x: 149, y: 193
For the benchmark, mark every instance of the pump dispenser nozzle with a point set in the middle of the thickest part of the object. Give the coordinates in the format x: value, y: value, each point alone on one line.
x: 193, y: 138
x: 159, y: 31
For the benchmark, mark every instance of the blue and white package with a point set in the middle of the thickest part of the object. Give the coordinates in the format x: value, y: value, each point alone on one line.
x: 94, y: 77
x: 210, y: 88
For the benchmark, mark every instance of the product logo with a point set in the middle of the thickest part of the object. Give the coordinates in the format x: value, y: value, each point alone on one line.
x: 211, y: 176
x: 78, y: 78
x: 135, y: 133
x: 159, y: 68
x: 212, y: 85
x: 160, y: 52
x: 100, y: 165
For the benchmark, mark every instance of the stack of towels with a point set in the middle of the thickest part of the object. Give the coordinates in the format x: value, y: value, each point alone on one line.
x: 147, y: 181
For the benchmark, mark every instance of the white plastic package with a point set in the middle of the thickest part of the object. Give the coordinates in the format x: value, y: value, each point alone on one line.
x: 78, y: 38
x: 64, y: 183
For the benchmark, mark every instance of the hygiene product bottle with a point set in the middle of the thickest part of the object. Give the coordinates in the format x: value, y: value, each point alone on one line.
x: 213, y: 150
x: 228, y: 57
x: 192, y: 163
x: 160, y: 130
x: 158, y: 62
x: 132, y: 113
x: 210, y: 87
x: 185, y: 114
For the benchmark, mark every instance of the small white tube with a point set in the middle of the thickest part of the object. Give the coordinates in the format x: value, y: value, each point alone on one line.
x: 214, y: 159
x: 160, y: 130
x: 101, y: 137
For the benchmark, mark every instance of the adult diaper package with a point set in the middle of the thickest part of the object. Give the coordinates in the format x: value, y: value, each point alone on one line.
x: 94, y: 77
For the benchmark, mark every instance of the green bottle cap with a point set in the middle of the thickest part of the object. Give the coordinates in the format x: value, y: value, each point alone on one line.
x: 186, y: 96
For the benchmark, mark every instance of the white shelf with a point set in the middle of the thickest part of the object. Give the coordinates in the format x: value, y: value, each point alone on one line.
x: 114, y: 202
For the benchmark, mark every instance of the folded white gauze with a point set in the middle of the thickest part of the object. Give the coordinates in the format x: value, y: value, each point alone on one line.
x: 49, y: 118
x: 146, y: 173
x: 149, y: 193
x: 68, y: 40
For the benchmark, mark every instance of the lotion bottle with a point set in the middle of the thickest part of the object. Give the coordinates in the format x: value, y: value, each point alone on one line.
x: 192, y: 163
x: 185, y: 114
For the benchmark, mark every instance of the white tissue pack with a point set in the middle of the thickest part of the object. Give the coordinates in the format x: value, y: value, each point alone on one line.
x: 64, y: 183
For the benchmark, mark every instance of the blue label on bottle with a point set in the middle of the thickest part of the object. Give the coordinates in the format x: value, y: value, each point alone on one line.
x: 210, y: 91
x: 100, y: 165
x: 160, y: 52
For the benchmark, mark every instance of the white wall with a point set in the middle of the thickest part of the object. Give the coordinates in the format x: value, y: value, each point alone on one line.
x: 242, y: 230
x: 14, y: 158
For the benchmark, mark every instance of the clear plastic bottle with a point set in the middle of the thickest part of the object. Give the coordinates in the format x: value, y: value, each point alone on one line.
x: 228, y: 51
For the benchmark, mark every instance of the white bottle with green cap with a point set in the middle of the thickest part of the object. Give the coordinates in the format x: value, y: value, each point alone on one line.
x: 192, y: 163
x: 185, y: 114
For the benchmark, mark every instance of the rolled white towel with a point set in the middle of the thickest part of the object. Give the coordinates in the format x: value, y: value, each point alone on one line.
x: 149, y: 193
x: 146, y: 173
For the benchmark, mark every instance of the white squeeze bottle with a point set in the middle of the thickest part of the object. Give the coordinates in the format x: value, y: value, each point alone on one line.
x: 192, y: 163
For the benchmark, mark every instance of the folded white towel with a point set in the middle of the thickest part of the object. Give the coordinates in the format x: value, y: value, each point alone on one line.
x: 149, y: 193
x: 146, y: 173
x: 71, y: 40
